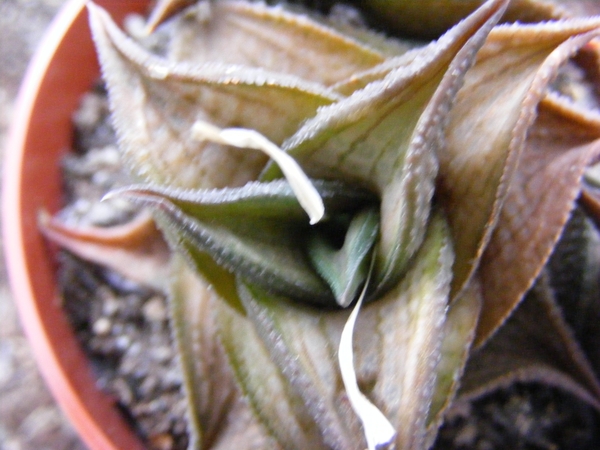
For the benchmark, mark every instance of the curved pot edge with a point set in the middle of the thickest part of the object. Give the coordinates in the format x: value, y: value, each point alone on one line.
x: 63, y: 366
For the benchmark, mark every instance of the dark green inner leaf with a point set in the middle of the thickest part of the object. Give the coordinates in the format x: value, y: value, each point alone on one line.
x: 345, y: 269
x: 261, y: 233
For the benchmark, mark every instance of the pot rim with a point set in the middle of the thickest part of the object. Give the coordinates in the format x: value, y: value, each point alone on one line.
x: 29, y: 262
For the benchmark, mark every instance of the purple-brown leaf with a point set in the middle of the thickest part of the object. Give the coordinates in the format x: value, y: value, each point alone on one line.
x: 135, y: 249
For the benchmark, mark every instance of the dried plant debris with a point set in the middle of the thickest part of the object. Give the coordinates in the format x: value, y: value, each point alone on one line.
x: 450, y: 185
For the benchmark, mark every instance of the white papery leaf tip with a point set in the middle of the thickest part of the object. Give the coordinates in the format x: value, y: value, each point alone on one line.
x: 377, y: 428
x: 305, y: 192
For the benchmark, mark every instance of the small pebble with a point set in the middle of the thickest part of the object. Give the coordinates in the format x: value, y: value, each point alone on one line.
x: 162, y: 354
x: 102, y: 326
x: 7, y: 363
x: 135, y: 349
x: 91, y: 109
x: 154, y: 310
x: 149, y: 385
x: 41, y: 421
x: 122, y: 342
x: 123, y: 391
x: 110, y: 306
x: 162, y: 441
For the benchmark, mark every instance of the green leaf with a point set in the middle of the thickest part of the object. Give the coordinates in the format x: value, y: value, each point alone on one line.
x: 155, y: 102
x: 255, y: 231
x: 218, y: 415
x: 397, y: 344
x: 385, y: 136
x: 199, y: 353
x: 281, y: 411
x: 346, y: 269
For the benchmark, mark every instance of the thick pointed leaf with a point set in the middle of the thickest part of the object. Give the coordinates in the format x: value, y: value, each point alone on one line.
x: 489, y: 125
x: 207, y: 379
x: 397, y: 344
x: 266, y: 388
x: 412, y: 328
x: 257, y: 35
x: 346, y: 269
x: 386, y: 134
x: 136, y: 249
x: 298, y: 344
x: 539, y: 200
x: 218, y: 415
x: 458, y: 335
x: 155, y: 103
x: 535, y: 344
x: 255, y: 231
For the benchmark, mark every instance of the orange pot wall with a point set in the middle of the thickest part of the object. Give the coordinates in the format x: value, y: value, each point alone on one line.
x: 63, y: 68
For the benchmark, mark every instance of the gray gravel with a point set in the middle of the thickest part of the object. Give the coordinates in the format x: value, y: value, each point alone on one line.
x: 29, y: 418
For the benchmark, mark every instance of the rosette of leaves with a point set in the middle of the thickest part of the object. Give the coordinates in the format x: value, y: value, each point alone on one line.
x: 448, y: 172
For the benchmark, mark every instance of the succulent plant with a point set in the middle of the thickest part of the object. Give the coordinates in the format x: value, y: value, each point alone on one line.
x: 299, y: 166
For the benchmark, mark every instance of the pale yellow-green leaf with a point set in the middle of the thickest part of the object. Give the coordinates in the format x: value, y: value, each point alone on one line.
x: 297, y: 341
x: 264, y: 385
x: 411, y: 327
x: 200, y: 356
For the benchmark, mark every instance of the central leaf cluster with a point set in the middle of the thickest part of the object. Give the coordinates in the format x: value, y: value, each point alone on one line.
x: 260, y: 233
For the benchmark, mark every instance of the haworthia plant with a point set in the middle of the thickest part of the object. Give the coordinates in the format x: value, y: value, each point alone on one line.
x: 446, y: 173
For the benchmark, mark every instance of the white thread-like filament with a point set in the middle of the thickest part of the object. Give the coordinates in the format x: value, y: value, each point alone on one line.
x: 377, y: 428
x: 305, y: 192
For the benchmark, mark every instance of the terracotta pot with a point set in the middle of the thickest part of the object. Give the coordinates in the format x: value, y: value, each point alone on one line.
x: 63, y: 68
